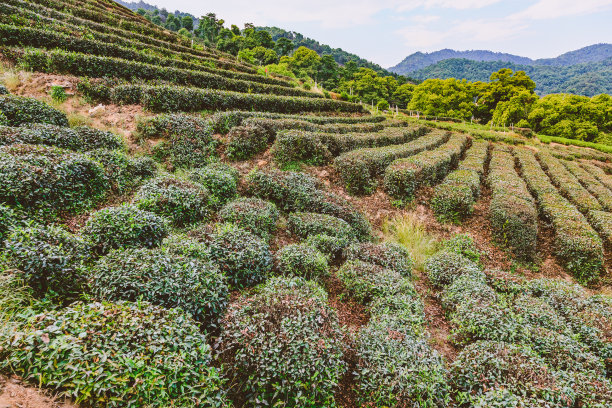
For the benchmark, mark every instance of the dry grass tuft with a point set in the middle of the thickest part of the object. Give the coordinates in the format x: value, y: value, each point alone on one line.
x: 407, y: 230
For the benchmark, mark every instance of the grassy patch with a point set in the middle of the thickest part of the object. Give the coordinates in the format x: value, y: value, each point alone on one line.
x: 409, y: 231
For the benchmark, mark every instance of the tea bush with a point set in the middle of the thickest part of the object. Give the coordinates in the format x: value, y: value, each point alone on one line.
x: 295, y: 146
x: 445, y: 266
x: 185, y: 246
x: 123, y: 172
x: 293, y: 345
x: 182, y: 202
x: 49, y: 179
x: 463, y: 244
x: 301, y: 260
x: 241, y: 255
x: 330, y: 246
x: 49, y: 258
x: 245, y: 142
x: 305, y: 224
x: 252, y: 214
x: 124, y: 227
x: 163, y: 279
x: 389, y: 255
x: 20, y: 110
x: 220, y: 179
x: 118, y: 355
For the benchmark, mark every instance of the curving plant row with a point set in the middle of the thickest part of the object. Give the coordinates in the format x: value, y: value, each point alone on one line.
x: 567, y: 183
x: 576, y: 243
x: 175, y: 99
x: 360, y: 169
x: 404, y: 176
x: 590, y: 182
x: 598, y: 173
x: 47, y: 39
x: 32, y: 11
x: 58, y: 61
x: 513, y: 212
x: 454, y: 198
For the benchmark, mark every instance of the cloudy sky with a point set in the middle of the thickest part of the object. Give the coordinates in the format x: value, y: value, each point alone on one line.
x: 385, y: 31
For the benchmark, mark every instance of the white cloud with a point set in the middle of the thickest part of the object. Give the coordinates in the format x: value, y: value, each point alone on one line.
x: 550, y: 9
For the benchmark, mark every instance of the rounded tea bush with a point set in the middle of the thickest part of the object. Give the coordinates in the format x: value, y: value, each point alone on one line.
x: 241, y: 255
x: 445, y: 266
x: 304, y: 224
x: 330, y: 246
x: 182, y: 202
x: 252, y: 214
x: 220, y: 179
x: 124, y: 227
x: 388, y: 255
x: 163, y: 279
x: 118, y: 355
x: 301, y: 260
x: 283, y: 344
x: 123, y: 172
x: 20, y: 110
x: 50, y: 259
x: 183, y: 245
x: 40, y: 177
x: 463, y: 244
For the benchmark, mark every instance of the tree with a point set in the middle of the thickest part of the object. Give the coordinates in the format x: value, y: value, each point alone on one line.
x: 283, y: 46
x: 306, y: 60
x: 141, y: 11
x: 444, y: 97
x: 503, y: 85
x: 264, y: 56
x: 265, y: 39
x: 403, y: 94
x: 187, y: 23
x: 209, y: 28
x: 328, y: 72
x: 235, y: 29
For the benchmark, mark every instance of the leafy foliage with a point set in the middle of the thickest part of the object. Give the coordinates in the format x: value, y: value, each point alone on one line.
x: 252, y: 214
x: 301, y: 260
x: 20, y: 110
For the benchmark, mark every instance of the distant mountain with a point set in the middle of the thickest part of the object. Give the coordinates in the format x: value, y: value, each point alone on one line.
x: 588, y: 79
x: 340, y: 56
x: 419, y: 60
x: 150, y: 7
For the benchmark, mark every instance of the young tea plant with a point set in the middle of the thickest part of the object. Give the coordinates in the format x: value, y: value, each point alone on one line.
x: 58, y: 94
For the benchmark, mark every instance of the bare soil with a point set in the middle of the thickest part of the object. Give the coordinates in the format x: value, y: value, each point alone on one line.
x: 14, y: 394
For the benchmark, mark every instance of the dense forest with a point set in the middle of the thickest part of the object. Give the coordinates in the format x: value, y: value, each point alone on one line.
x: 588, y: 79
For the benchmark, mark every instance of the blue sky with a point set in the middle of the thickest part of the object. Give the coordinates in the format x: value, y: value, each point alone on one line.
x: 386, y: 31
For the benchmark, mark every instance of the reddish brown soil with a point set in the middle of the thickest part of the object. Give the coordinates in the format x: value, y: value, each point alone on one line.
x: 14, y: 394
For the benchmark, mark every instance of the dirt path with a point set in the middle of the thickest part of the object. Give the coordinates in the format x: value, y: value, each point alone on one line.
x: 14, y: 394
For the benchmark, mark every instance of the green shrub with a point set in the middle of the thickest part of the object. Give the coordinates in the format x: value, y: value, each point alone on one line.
x: 468, y: 287
x: 242, y: 256
x: 293, y: 345
x: 186, y: 141
x: 301, y: 260
x: 9, y: 219
x: 245, y: 142
x: 252, y: 214
x: 20, y: 110
x: 296, y: 146
x: 123, y: 172
x: 305, y: 224
x: 405, y: 175
x: 445, y: 266
x: 3, y: 90
x: 360, y: 169
x: 452, y: 202
x: 50, y: 259
x: 173, y: 99
x: 396, y: 369
x: 183, y: 202
x: 402, y: 311
x: 58, y: 93
x: 221, y: 180
x: 124, y: 227
x: 389, y: 255
x: 463, y: 244
x: 3, y: 119
x: 488, y: 365
x: 328, y: 245
x: 163, y: 279
x: 46, y: 178
x: 80, y: 138
x: 118, y: 355
x: 185, y: 246
x: 292, y: 191
x: 366, y: 281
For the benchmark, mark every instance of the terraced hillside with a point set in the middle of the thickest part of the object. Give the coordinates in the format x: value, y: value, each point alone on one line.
x: 178, y: 230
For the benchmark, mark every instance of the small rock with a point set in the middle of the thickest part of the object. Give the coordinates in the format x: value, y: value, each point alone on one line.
x: 324, y: 173
x: 262, y: 163
x: 96, y: 109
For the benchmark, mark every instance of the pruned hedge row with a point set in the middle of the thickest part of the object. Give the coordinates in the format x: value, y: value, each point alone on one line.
x: 513, y: 213
x: 79, y: 64
x: 301, y: 260
x: 173, y: 99
x: 36, y: 15
x: 532, y: 344
x: 396, y: 366
x: 20, y: 110
x: 576, y: 243
x: 48, y: 39
x: 253, y: 214
x: 81, y: 138
x: 220, y: 179
x: 590, y: 182
x: 186, y: 140
x: 292, y: 353
x: 305, y: 224
x: 360, y: 169
x: 404, y: 176
x: 598, y: 173
x: 567, y: 184
x: 454, y: 198
x: 147, y: 353
x: 41, y: 178
x: 124, y: 173
x: 602, y: 222
x: 292, y: 191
